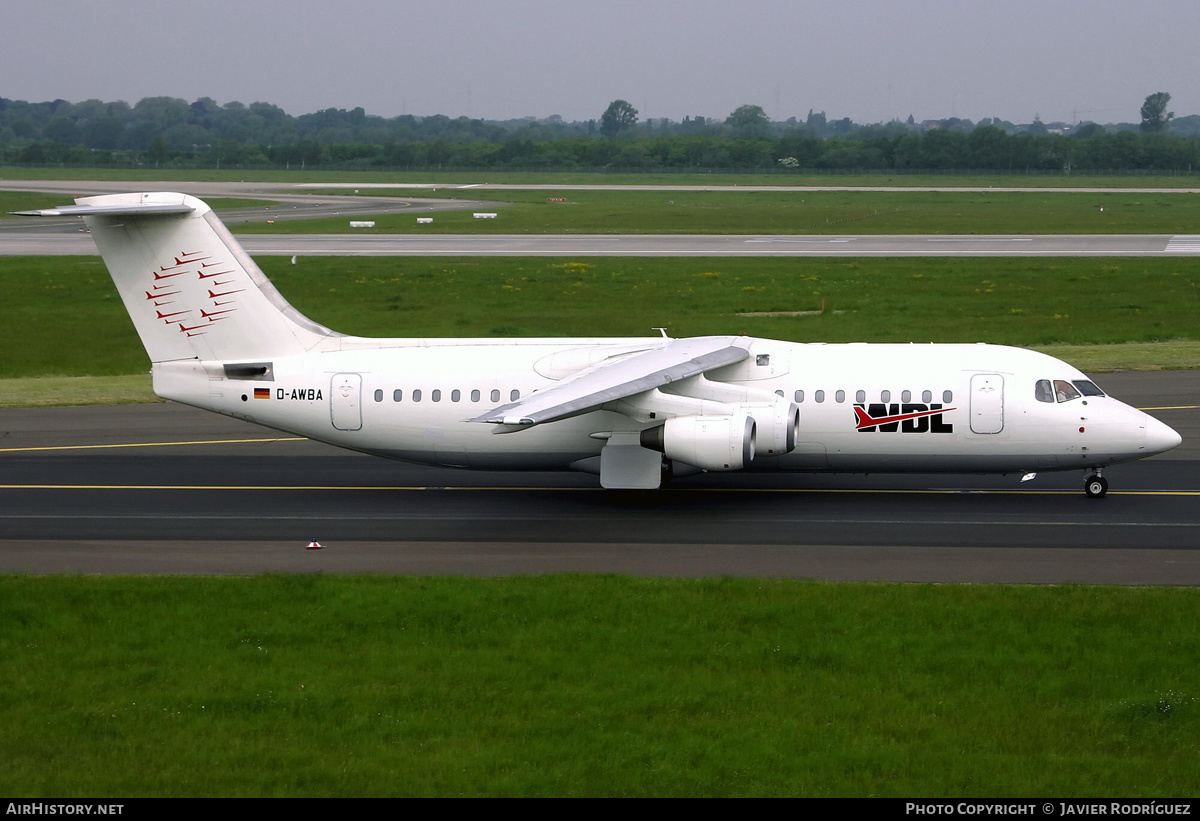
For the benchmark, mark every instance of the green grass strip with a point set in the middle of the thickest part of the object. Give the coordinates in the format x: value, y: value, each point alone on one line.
x: 593, y: 685
x: 63, y: 317
x: 47, y: 391
x: 766, y: 212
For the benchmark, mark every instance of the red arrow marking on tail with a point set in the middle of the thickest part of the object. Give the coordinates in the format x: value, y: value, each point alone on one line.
x: 211, y: 295
x: 214, y: 274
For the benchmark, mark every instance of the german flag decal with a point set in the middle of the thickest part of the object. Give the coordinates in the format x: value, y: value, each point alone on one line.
x: 262, y: 393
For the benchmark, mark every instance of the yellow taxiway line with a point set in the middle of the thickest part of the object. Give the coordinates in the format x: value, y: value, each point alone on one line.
x: 526, y: 489
x: 157, y: 444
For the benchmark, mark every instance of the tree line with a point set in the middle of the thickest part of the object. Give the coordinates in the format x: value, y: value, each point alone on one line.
x: 171, y: 133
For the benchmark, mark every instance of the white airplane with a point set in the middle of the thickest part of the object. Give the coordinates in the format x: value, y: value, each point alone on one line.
x: 635, y: 411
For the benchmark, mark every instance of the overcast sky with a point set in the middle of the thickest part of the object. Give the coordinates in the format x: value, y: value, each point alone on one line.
x: 869, y: 60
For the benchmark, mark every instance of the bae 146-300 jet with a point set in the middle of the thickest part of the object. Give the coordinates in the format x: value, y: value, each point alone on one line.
x: 634, y: 411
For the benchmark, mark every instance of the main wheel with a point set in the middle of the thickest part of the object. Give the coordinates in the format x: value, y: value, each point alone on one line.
x: 1095, y: 486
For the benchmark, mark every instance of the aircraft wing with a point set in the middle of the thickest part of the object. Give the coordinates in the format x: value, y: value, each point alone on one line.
x: 678, y: 359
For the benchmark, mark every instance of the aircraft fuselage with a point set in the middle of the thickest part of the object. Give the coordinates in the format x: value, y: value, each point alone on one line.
x: 863, y: 408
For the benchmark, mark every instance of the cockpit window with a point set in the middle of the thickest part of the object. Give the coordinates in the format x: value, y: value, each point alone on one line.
x: 1064, y: 391
x: 1043, y: 391
x: 1087, y: 388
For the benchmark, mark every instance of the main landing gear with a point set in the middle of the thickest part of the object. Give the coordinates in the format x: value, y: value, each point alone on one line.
x: 1095, y: 485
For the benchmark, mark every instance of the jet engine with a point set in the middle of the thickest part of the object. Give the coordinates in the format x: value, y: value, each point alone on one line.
x: 778, y: 425
x: 708, y: 442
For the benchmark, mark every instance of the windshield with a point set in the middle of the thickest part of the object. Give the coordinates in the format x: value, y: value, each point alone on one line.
x: 1064, y: 391
x: 1087, y: 388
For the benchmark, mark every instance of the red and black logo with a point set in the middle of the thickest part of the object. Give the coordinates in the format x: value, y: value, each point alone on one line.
x: 903, y: 418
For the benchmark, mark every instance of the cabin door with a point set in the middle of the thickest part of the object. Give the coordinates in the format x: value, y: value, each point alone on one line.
x: 987, y: 403
x: 345, y: 401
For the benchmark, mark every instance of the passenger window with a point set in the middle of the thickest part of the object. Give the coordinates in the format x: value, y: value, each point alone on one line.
x: 779, y: 394
x: 1043, y: 392
x: 947, y: 396
x: 514, y: 396
x: 417, y: 395
x: 455, y: 395
x: 474, y: 396
x: 378, y: 395
x: 819, y: 396
x: 926, y: 396
x: 436, y: 396
x: 885, y: 396
x: 495, y: 396
x: 906, y: 396
x: 860, y: 397
x: 800, y: 397
x: 1064, y: 391
x: 840, y: 396
x: 397, y: 395
x: 1087, y: 388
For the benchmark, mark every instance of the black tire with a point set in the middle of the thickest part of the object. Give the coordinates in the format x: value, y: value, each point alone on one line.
x: 1095, y: 486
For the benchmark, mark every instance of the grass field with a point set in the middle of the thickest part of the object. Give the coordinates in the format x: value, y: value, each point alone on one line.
x: 593, y: 685
x: 820, y: 212
x: 1029, y: 302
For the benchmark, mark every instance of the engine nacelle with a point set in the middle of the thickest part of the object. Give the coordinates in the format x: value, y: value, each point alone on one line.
x: 778, y: 427
x: 708, y: 442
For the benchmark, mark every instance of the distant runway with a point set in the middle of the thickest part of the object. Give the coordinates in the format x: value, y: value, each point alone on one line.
x: 301, y: 190
x: 13, y: 243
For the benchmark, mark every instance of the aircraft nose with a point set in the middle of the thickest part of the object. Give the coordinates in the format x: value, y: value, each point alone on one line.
x: 1160, y: 437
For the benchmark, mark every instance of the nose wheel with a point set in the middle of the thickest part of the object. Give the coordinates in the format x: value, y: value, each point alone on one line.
x: 1095, y: 486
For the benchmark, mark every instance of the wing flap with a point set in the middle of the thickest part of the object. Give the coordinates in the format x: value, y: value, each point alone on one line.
x: 678, y: 359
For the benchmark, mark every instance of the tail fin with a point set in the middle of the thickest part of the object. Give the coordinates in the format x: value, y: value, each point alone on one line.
x: 191, y: 290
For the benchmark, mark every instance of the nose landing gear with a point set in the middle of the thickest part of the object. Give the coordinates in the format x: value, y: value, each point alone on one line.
x: 1095, y: 485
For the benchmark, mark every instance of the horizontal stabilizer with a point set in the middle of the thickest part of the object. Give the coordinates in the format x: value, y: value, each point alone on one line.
x: 110, y: 210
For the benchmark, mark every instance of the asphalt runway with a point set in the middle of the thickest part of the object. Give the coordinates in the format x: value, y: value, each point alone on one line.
x: 167, y: 489
x: 50, y: 243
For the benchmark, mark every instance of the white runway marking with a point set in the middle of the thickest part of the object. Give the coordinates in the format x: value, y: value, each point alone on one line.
x: 1184, y: 244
